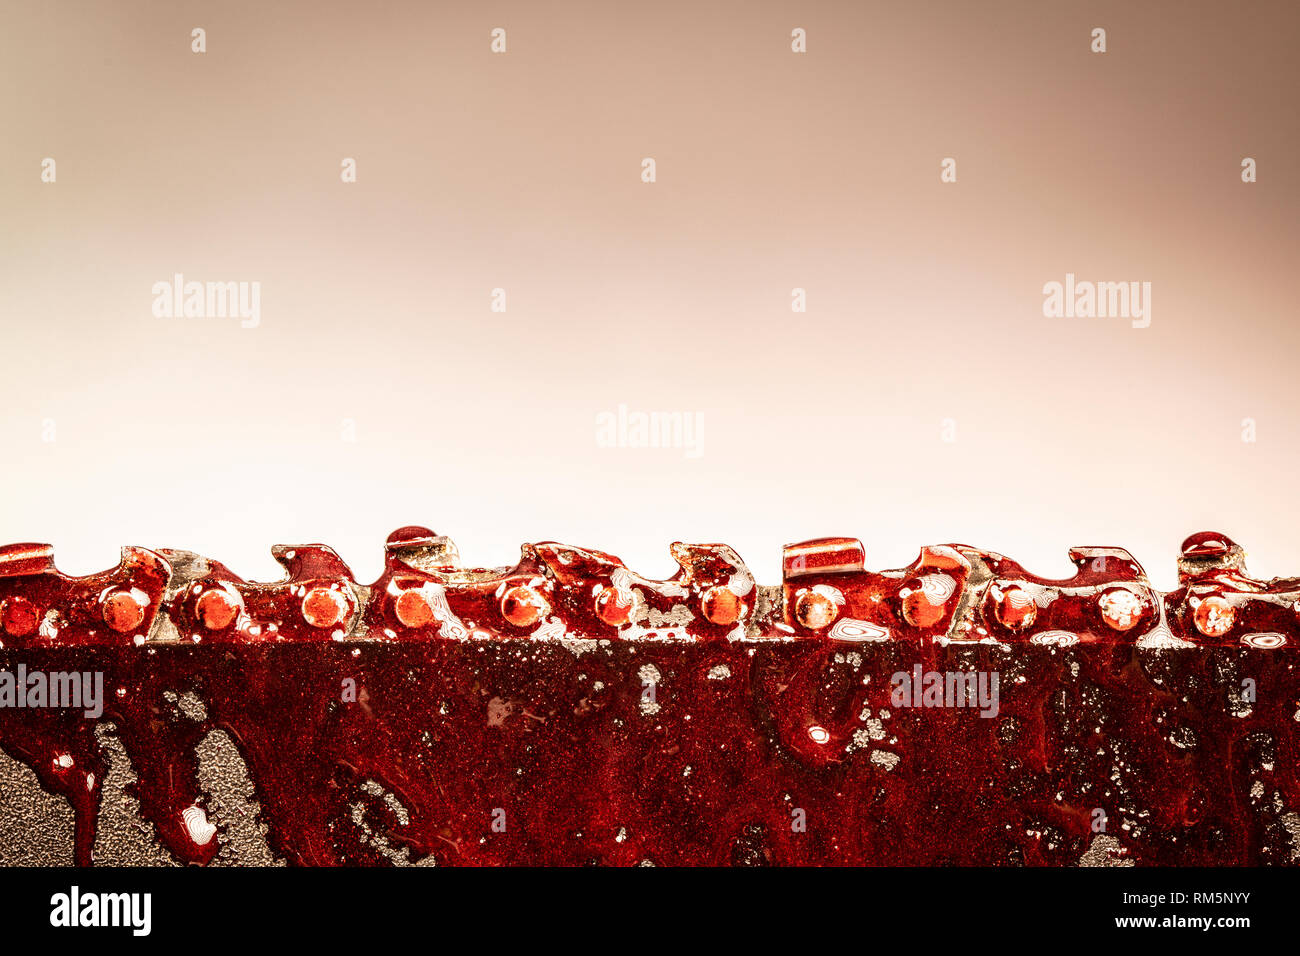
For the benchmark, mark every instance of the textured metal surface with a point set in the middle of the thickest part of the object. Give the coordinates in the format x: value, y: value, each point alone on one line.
x: 567, y: 710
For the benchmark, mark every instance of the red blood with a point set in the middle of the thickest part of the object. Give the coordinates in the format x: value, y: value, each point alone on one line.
x: 324, y: 607
x: 1214, y: 616
x: 123, y: 611
x: 216, y: 609
x: 409, y: 534
x: 814, y: 610
x: 413, y: 608
x: 523, y: 606
x: 1014, y: 607
x: 20, y: 617
x: 1206, y: 544
x: 922, y: 606
x: 607, y: 749
x: 722, y: 605
x: 614, y: 606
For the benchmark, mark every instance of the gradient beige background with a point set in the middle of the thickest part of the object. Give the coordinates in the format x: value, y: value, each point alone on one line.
x: 775, y: 170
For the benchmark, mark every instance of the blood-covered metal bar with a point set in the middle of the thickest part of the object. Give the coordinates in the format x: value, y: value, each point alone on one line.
x: 569, y: 710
